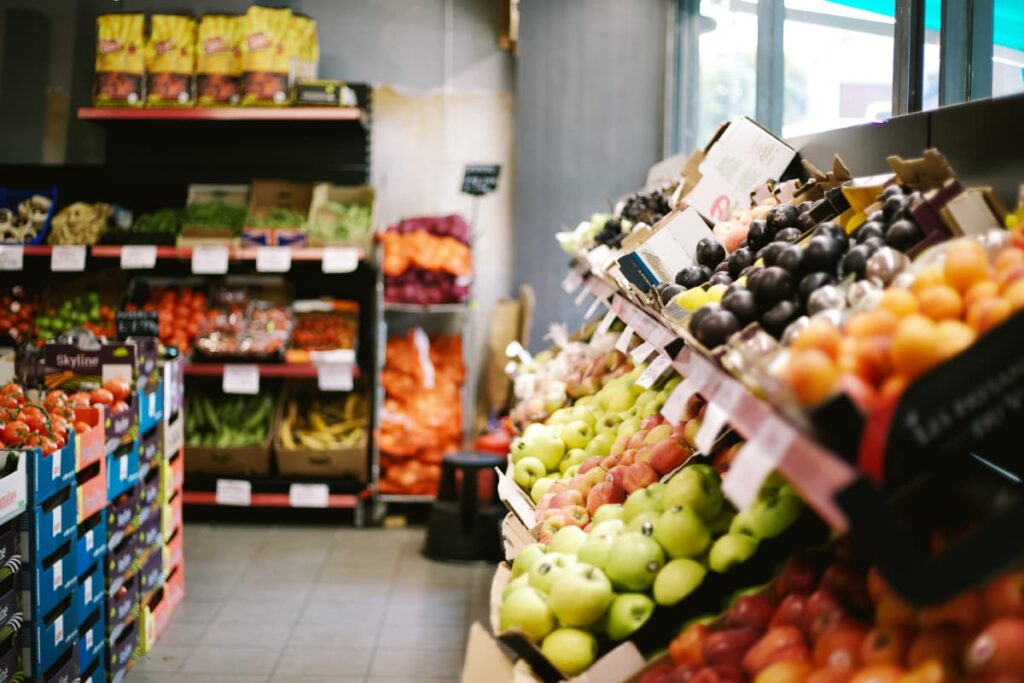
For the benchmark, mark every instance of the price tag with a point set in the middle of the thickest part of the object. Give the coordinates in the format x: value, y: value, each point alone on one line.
x: 233, y: 492
x: 67, y: 258
x: 58, y: 574
x: 558, y: 333
x: 90, y: 539
x: 595, y: 304
x: 334, y: 376
x: 676, y: 403
x: 58, y: 520
x: 582, y: 296
x: 273, y: 259
x: 308, y: 495
x: 241, y: 379
x: 139, y: 257
x: 12, y: 257
x: 622, y: 343
x: 88, y: 589
x: 58, y: 630
x: 123, y: 468
x: 572, y: 281
x: 340, y: 259
x: 209, y: 260
x: 655, y: 370
x: 55, y: 463
x: 642, y: 352
x: 606, y: 323
x: 88, y: 634
x: 718, y: 411
x: 755, y: 461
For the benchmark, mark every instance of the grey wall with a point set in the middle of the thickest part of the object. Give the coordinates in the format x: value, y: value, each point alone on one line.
x: 590, y: 86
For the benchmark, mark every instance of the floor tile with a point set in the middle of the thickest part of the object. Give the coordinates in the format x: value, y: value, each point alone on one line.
x: 360, y: 610
x: 422, y: 636
x: 277, y: 611
x: 366, y: 589
x: 196, y: 609
x: 219, y: 659
x: 416, y: 663
x: 168, y: 658
x: 142, y: 677
x: 330, y: 634
x: 322, y: 661
x: 179, y: 632
x: 265, y: 634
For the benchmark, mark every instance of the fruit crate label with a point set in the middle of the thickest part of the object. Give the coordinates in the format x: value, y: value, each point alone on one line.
x: 273, y: 259
x: 111, y: 371
x: 58, y: 574
x: 622, y: 343
x: 12, y: 257
x: 55, y: 463
x: 334, y: 376
x: 340, y: 259
x: 721, y: 405
x: 308, y: 495
x: 88, y: 636
x: 572, y: 282
x: 654, y: 371
x: 68, y: 258
x: 480, y: 179
x: 89, y: 539
x: 123, y: 468
x: 233, y: 492
x: 139, y: 257
x: 581, y: 297
x: 58, y: 630
x: 606, y: 323
x: 594, y: 305
x: 642, y: 352
x: 88, y: 591
x: 241, y: 379
x: 755, y: 461
x: 209, y: 260
x: 58, y: 521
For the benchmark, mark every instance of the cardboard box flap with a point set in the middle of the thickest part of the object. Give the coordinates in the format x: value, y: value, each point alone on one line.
x: 929, y: 172
x: 485, y: 660
x: 515, y: 499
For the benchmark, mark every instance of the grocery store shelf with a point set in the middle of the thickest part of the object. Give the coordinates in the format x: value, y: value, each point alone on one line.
x: 274, y: 492
x: 286, y: 370
x: 406, y: 498
x: 278, y: 500
x: 234, y: 253
x: 221, y: 114
x: 436, y: 309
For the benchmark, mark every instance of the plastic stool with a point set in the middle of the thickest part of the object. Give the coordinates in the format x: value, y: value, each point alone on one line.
x: 463, y: 527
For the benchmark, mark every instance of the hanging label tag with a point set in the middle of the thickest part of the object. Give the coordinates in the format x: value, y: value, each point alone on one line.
x: 572, y: 281
x: 58, y: 574
x: 138, y: 257
x: 241, y: 379
x: 334, y: 376
x: 340, y: 259
x: 594, y: 305
x: 123, y: 468
x: 308, y: 495
x: 727, y: 397
x: 88, y: 589
x: 233, y: 492
x: 12, y: 257
x: 606, y: 323
x: 676, y: 403
x: 655, y: 370
x: 67, y: 258
x: 55, y: 463
x: 58, y: 630
x: 622, y: 343
x: 558, y: 333
x: 58, y: 520
x: 642, y: 352
x: 581, y: 297
x: 89, y: 539
x: 273, y: 259
x: 755, y: 461
x: 88, y: 638
x: 209, y: 260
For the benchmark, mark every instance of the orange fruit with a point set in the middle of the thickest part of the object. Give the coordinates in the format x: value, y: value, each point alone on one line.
x: 932, y: 275
x: 812, y: 375
x: 954, y: 337
x: 980, y: 290
x: 941, y: 302
x: 915, y: 346
x: 1007, y: 276
x: 1015, y: 295
x: 819, y: 334
x: 966, y: 263
x: 988, y: 312
x: 872, y: 323
x: 899, y: 301
x: 1010, y: 256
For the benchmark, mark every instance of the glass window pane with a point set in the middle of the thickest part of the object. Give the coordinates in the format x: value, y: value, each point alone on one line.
x: 838, y: 63
x: 932, y: 30
x: 728, y: 64
x: 1008, y: 48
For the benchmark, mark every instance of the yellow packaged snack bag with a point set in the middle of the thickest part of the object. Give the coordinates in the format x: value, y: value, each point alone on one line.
x: 170, y: 60
x: 120, y: 40
x: 218, y: 60
x: 304, y: 47
x: 266, y: 60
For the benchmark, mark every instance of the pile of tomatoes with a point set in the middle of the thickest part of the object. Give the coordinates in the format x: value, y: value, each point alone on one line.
x: 31, y: 425
x: 113, y: 394
x: 180, y: 312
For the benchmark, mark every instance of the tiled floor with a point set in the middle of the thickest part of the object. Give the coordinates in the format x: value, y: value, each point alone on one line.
x: 315, y: 604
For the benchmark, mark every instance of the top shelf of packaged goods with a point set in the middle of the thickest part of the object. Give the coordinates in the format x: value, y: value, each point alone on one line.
x: 335, y: 259
x: 434, y: 309
x: 222, y: 114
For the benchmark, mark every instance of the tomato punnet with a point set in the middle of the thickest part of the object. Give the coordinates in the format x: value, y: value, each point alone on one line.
x: 118, y: 386
x: 101, y: 396
x: 55, y: 399
x: 14, y: 432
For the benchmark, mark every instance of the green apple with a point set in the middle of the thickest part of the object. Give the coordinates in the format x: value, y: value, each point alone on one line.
x: 652, y: 408
x: 645, y: 523
x: 628, y: 613
x: 527, y: 471
x: 581, y: 595
x: 682, y: 533
x: 526, y: 609
x: 518, y: 582
x: 671, y: 384
x: 694, y: 487
x: 547, y: 448
x: 559, y: 417
x: 526, y: 557
x: 676, y: 580
x: 540, y: 487
x: 596, y: 550
x: 601, y: 444
x: 607, y: 512
x: 645, y: 397
x: 634, y: 561
x: 628, y: 428
x: 585, y: 401
x: 657, y: 489
x: 659, y: 433
x: 567, y: 540
x: 731, y: 550
x: 535, y: 429
x: 607, y: 527
x: 575, y: 456
x: 608, y: 423
x: 547, y: 569
x: 570, y: 650
x: 773, y: 515
x: 584, y: 413
x: 619, y: 401
x: 720, y: 523
x: 570, y: 472
x: 576, y: 434
x: 639, y: 501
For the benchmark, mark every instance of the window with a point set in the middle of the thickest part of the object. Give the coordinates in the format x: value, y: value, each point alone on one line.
x: 728, y: 65
x: 1007, y: 47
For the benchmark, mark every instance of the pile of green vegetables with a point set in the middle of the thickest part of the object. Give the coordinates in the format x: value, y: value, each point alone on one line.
x: 159, y: 222
x: 216, y: 215
x: 228, y: 420
x: 279, y: 217
x: 336, y: 221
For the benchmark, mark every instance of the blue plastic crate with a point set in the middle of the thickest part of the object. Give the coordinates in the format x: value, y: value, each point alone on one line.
x: 44, y: 585
x: 9, y: 199
x: 91, y: 542
x: 96, y: 673
x: 92, y: 637
x: 48, y: 474
x: 91, y: 591
x: 48, y: 639
x: 151, y: 408
x: 46, y: 527
x: 122, y: 470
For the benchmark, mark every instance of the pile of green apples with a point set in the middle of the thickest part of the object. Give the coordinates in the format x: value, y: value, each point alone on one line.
x: 654, y: 549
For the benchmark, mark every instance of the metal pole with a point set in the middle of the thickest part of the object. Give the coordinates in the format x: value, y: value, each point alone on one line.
x: 908, y: 57
x: 771, y: 74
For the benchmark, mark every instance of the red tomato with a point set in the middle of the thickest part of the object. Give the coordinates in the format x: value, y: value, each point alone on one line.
x: 119, y: 407
x: 59, y: 441
x: 34, y: 418
x: 101, y: 396
x: 11, y: 388
x: 14, y: 431
x: 118, y: 386
x: 80, y: 399
x: 82, y: 427
x: 10, y: 402
x: 55, y: 399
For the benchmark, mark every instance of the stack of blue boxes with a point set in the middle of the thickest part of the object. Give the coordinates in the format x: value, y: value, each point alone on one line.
x: 11, y: 617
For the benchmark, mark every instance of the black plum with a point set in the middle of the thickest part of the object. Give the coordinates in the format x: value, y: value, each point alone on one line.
x: 822, y: 254
x: 740, y: 302
x: 720, y: 278
x: 710, y: 252
x: 782, y: 216
x: 778, y: 317
x: 869, y: 229
x: 902, y: 235
x: 893, y: 204
x: 758, y: 236
x: 668, y: 291
x: 700, y: 314
x: 790, y: 258
x: 811, y: 282
x: 891, y: 191
x: 738, y: 260
x: 770, y: 253
x: 855, y: 261
x: 716, y: 328
x: 788, y: 235
x: 693, y: 276
x: 772, y: 286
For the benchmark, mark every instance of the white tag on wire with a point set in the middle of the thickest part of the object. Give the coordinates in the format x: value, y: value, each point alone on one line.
x: 605, y: 324
x: 572, y: 281
x: 642, y: 352
x: 622, y: 343
x: 758, y: 458
x: 720, y: 407
x: 655, y: 370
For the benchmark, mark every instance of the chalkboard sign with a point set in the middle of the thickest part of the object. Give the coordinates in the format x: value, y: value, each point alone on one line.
x: 137, y: 324
x: 480, y: 179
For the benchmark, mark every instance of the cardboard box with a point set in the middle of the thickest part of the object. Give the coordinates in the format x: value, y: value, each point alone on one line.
x: 8, y: 546
x: 515, y: 536
x: 325, y: 93
x: 151, y: 409
x: 174, y: 551
x: 150, y: 529
x: 90, y: 542
x: 9, y: 593
x: 47, y: 474
x: 92, y: 636
x: 46, y: 642
x: 90, y: 593
x: 90, y: 446
x: 96, y: 673
x: 91, y: 490
x: 172, y: 434
x: 173, y: 477
x: 149, y: 487
x: 267, y: 195
x: 319, y: 211
x: 151, y: 573
x: 665, y: 249
x: 122, y: 647
x: 174, y: 586
x: 46, y: 584
x: 171, y: 516
x: 122, y: 606
x: 14, y: 486
x: 10, y: 665
x: 122, y: 470
x: 120, y: 559
x: 122, y: 517
x: 242, y: 461
x: 48, y: 526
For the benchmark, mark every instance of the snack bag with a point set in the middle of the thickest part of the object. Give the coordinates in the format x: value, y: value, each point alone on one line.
x: 304, y: 48
x: 218, y: 60
x: 120, y: 40
x: 266, y: 59
x: 170, y: 60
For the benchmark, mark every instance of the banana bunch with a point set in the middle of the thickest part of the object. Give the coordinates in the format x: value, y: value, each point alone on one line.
x: 320, y: 425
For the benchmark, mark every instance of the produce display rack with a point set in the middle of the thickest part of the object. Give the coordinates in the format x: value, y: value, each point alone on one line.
x: 222, y: 114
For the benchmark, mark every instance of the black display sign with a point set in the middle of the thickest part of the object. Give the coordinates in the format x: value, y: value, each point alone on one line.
x: 137, y: 324
x: 480, y: 179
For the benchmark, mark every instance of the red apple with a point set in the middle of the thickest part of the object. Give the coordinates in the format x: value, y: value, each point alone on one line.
x: 568, y: 498
x: 619, y: 447
x: 604, y: 493
x: 830, y: 675
x: 611, y: 461
x: 651, y: 421
x: 790, y: 612
x: 728, y: 646
x: 760, y: 655
x: 643, y: 454
x: 943, y: 643
x: 879, y: 673
x: 998, y: 649
x: 932, y: 671
x: 750, y: 611
x: 668, y: 454
x: 847, y: 584
x: 628, y: 458
x: 965, y: 610
x: 615, y: 475
x: 659, y: 673
x: 639, y: 475
x: 636, y: 441
x: 821, y: 611
x: 558, y: 487
x: 590, y: 463
x: 796, y: 576
x: 689, y: 434
x: 688, y: 646
x: 719, y: 674
x: 885, y: 645
x: 840, y: 645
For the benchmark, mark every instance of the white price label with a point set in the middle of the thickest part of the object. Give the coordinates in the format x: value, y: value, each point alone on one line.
x: 558, y: 333
x: 622, y: 343
x: 115, y: 371
x: 55, y: 463
x: 572, y: 282
x: 721, y: 406
x: 676, y: 403
x: 58, y: 520
x: 88, y: 640
x: 6, y: 370
x: 138, y: 257
x: 123, y: 467
x: 273, y: 259
x: 58, y: 574
x: 582, y: 296
x: 755, y: 461
x: 606, y: 323
x: 334, y: 376
x: 233, y: 492
x: 308, y: 495
x: 68, y: 258
x: 655, y: 370
x: 642, y: 352
x: 12, y: 257
x: 88, y: 590
x: 58, y: 630
x: 595, y: 304
x: 340, y: 259
x: 90, y: 536
x: 209, y: 260
x: 241, y: 379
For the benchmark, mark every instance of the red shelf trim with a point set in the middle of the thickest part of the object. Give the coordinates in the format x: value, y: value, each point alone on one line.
x: 221, y: 114
x: 281, y: 500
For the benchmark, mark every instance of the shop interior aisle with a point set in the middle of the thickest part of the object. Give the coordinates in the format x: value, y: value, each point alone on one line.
x: 315, y: 604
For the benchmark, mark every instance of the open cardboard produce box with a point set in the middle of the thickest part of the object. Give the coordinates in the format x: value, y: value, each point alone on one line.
x: 320, y: 212
x: 304, y: 461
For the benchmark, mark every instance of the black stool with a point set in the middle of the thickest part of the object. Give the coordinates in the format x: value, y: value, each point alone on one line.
x: 462, y: 527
